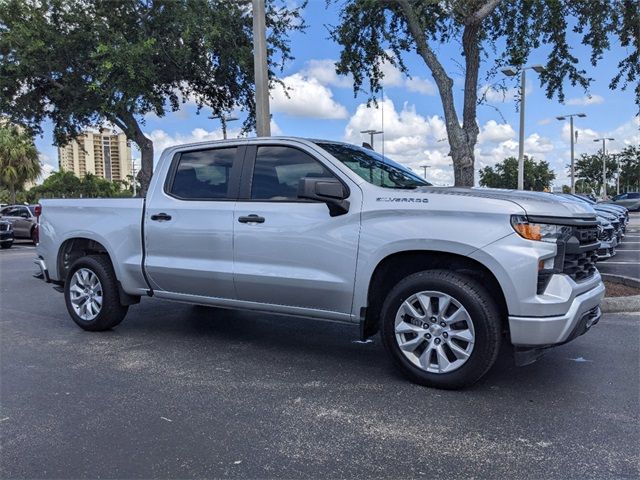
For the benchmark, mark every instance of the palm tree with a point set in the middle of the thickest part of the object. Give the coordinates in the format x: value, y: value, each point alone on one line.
x: 19, y: 161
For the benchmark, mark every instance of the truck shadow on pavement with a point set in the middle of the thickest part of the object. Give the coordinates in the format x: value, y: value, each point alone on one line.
x: 309, y: 350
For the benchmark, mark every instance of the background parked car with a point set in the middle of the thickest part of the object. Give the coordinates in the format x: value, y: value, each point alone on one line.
x: 6, y: 234
x: 630, y: 200
x: 24, y: 220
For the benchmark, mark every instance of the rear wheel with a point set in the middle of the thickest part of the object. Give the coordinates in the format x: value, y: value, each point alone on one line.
x: 91, y: 294
x: 441, y: 328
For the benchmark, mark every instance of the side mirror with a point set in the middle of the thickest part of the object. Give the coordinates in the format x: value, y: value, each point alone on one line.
x: 325, y: 189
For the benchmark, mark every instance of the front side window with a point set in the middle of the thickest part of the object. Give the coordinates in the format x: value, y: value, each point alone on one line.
x: 278, y: 171
x: 12, y: 211
x: 203, y: 174
x: 373, y: 167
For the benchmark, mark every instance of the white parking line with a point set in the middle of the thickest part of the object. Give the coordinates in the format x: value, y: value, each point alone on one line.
x: 619, y: 263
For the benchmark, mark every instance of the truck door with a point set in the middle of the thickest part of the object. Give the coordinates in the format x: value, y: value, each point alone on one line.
x: 188, y: 224
x: 289, y: 251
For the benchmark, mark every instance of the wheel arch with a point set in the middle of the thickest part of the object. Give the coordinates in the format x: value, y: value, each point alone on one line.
x: 77, y: 247
x: 396, y: 266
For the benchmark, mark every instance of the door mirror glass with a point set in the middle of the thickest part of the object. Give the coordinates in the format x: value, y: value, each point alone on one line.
x: 325, y: 189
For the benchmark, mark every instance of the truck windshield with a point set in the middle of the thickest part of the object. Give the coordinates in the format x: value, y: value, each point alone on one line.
x: 373, y: 167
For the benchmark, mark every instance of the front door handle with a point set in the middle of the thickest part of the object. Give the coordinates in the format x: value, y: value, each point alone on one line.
x: 161, y: 217
x: 253, y: 218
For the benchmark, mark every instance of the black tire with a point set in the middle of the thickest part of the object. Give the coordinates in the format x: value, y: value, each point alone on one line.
x: 6, y: 245
x: 33, y: 236
x: 112, y: 311
x: 479, y: 304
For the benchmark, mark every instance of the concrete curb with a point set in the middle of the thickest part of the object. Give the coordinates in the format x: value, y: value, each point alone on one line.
x: 621, y: 304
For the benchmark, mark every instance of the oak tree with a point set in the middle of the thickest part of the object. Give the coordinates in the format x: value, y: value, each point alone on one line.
x: 82, y: 63
x: 537, y: 175
x: 493, y: 32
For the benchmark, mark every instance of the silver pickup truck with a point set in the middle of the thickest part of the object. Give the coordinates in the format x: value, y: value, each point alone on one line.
x: 331, y: 231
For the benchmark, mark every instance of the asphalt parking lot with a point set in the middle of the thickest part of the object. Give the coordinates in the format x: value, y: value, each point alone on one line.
x: 627, y: 260
x: 178, y: 391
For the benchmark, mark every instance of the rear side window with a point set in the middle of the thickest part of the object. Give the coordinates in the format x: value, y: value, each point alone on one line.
x: 278, y: 171
x: 633, y: 195
x: 203, y: 175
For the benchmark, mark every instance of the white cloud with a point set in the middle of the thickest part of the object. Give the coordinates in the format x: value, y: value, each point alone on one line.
x: 586, y: 100
x: 393, y: 77
x: 325, y: 72
x: 409, y: 138
x: 162, y: 140
x: 494, y: 132
x: 497, y: 95
x: 307, y: 97
x: 420, y: 85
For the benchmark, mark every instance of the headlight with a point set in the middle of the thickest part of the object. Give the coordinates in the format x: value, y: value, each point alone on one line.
x: 543, y: 232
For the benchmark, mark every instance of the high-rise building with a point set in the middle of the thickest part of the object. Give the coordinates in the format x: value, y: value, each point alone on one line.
x: 102, y: 154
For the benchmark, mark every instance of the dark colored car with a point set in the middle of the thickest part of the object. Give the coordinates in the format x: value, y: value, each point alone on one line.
x: 630, y: 200
x: 6, y: 234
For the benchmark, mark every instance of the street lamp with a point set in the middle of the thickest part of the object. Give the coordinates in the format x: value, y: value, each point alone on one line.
x: 573, y: 168
x: 510, y: 72
x: 371, y: 134
x: 425, y: 170
x: 604, y: 164
x: 223, y: 121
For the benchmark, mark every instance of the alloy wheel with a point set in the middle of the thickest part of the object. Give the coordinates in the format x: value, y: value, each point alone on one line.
x: 85, y: 293
x: 434, y: 332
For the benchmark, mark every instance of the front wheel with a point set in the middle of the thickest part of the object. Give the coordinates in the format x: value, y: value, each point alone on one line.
x: 6, y: 244
x: 91, y: 294
x: 441, y: 328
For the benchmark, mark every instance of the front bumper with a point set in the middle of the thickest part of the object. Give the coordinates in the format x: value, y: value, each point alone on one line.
x: 6, y: 237
x: 583, y: 312
x: 607, y: 249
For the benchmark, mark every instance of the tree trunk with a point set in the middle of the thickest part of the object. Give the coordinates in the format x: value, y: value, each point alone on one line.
x: 12, y: 192
x: 130, y: 126
x: 146, y: 170
x: 463, y: 171
x: 462, y: 139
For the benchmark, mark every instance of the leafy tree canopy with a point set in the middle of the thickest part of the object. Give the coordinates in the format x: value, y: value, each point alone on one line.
x: 83, y: 62
x: 589, y: 170
x: 19, y: 162
x: 498, y: 32
x: 537, y: 175
x: 65, y: 184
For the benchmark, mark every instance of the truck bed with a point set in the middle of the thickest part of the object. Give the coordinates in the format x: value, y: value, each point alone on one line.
x: 115, y: 223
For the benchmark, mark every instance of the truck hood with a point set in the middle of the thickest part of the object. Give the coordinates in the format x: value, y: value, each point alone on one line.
x: 533, y: 203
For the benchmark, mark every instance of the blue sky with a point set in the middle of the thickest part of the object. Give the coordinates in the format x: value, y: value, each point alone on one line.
x: 323, y: 105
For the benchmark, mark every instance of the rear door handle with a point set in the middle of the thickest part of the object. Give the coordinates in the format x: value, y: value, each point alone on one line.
x: 161, y: 217
x: 253, y: 218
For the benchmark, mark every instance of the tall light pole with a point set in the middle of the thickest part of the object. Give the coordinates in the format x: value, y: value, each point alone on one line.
x: 425, y: 170
x: 263, y: 117
x: 223, y: 121
x: 371, y: 134
x: 510, y: 72
x: 604, y: 163
x: 573, y: 166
